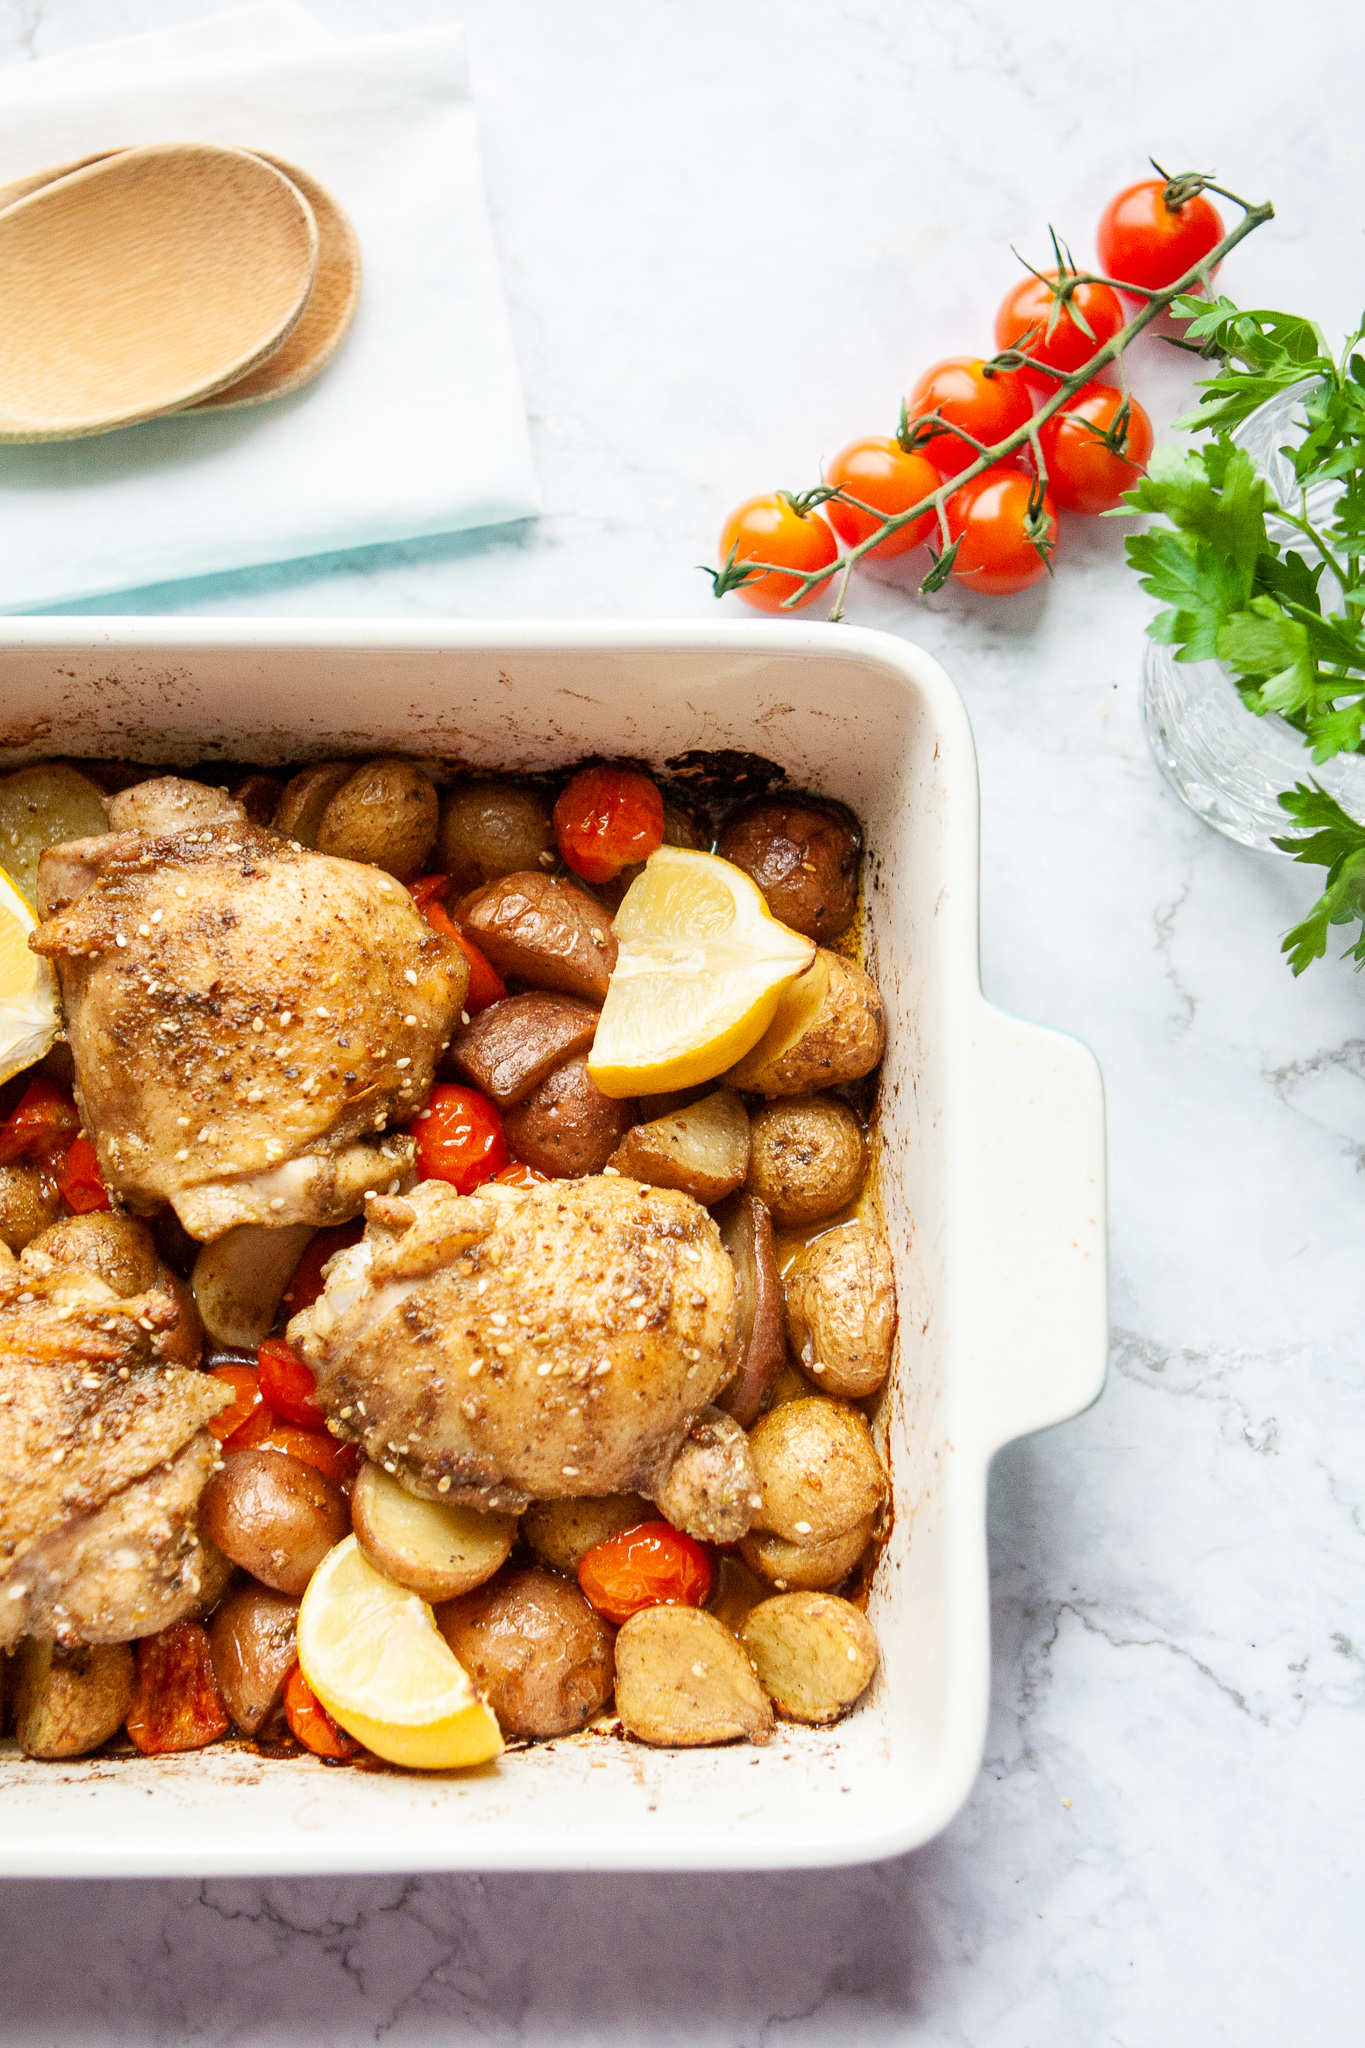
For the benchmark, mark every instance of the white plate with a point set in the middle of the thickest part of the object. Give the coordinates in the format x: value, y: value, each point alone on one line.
x: 992, y: 1150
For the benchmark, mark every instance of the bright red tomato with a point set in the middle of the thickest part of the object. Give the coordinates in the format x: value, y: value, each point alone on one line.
x: 997, y: 555
x: 652, y: 1565
x: 459, y: 1138
x: 606, y: 819
x: 988, y: 407
x: 486, y: 985
x: 770, y: 530
x: 1083, y: 473
x: 1022, y: 323
x: 880, y: 473
x: 519, y: 1176
x: 311, y: 1724
x: 337, y: 1462
x: 1143, y: 241
x: 177, y: 1704
x: 80, y: 1182
x: 247, y: 1403
x: 43, y: 1121
x: 288, y: 1386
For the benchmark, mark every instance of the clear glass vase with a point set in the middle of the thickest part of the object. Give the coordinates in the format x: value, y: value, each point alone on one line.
x: 1222, y: 760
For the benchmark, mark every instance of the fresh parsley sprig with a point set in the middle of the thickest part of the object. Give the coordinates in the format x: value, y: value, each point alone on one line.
x: 1332, y: 840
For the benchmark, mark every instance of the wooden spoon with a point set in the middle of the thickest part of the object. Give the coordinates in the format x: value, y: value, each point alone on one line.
x: 19, y: 188
x: 143, y: 282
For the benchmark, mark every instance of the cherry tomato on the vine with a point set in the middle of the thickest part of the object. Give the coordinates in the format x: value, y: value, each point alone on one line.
x: 988, y: 514
x: 770, y: 529
x: 311, y: 1724
x: 988, y: 407
x: 1142, y: 240
x: 1025, y: 313
x: 459, y: 1138
x: 486, y: 985
x: 1084, y: 474
x: 652, y: 1565
x: 879, y: 473
x: 606, y: 819
x: 288, y: 1386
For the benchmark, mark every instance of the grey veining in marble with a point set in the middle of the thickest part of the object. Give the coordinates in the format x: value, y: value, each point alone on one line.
x: 732, y: 230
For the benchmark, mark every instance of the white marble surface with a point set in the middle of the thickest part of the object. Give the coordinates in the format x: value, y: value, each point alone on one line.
x: 731, y: 230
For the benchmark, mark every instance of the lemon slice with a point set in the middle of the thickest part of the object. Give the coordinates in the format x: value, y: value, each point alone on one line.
x: 29, y: 1016
x: 701, y: 965
x: 373, y: 1655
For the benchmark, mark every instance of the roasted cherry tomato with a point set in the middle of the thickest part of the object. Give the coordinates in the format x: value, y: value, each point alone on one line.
x: 606, y: 819
x: 1142, y: 240
x: 486, y: 985
x: 1025, y: 313
x: 879, y: 473
x: 770, y: 529
x: 652, y: 1565
x: 288, y: 1386
x: 337, y: 1462
x: 177, y: 1704
x: 43, y: 1121
x: 80, y: 1182
x: 459, y: 1138
x: 997, y: 555
x: 518, y: 1175
x: 311, y: 1724
x: 1084, y: 474
x: 959, y: 390
x: 305, y: 1282
x: 248, y: 1404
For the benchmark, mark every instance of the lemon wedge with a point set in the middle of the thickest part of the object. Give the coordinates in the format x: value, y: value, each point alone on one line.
x: 701, y: 965
x: 29, y: 1015
x: 373, y: 1655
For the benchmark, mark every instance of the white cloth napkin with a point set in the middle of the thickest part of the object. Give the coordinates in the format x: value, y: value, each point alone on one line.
x: 416, y: 427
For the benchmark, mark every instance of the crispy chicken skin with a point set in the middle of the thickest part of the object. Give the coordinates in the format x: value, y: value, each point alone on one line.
x: 493, y: 1350
x: 246, y: 1018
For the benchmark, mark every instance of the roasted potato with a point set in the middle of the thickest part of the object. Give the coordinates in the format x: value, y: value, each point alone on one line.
x: 830, y: 1027
x: 804, y: 856
x: 385, y: 815
x: 810, y: 1565
x: 535, y: 1648
x: 30, y: 1201
x: 274, y: 1516
x: 807, y: 1160
x: 704, y: 1149
x: 746, y: 1231
x: 305, y: 798
x: 711, y: 1488
x: 67, y: 1702
x: 169, y: 803
x: 564, y: 1531
x: 253, y: 1641
x: 259, y: 796
x: 509, y: 1048
x: 490, y: 829
x: 818, y: 1470
x: 239, y: 1280
x: 119, y: 1250
x: 841, y: 1310
x: 547, y: 933
x: 44, y: 806
x: 735, y: 1591
x: 814, y: 1654
x: 683, y: 1682
x: 435, y: 1550
x: 791, y: 1384
x: 566, y: 1127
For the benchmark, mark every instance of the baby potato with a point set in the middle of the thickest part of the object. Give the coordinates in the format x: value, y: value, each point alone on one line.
x: 29, y: 1202
x: 239, y: 1280
x: 814, y: 1653
x: 746, y: 1231
x: 545, y: 932
x: 807, y: 1158
x: 253, y: 1641
x: 259, y: 796
x: 434, y: 1550
x: 305, y: 798
x: 119, y: 1250
x: 489, y: 829
x: 683, y: 1682
x: 44, y: 806
x: 735, y: 1591
x: 566, y: 1127
x: 703, y: 1149
x: 818, y: 1470
x: 510, y: 1047
x: 830, y: 1027
x: 841, y: 1310
x: 274, y: 1516
x: 535, y: 1648
x: 67, y: 1702
x: 385, y: 815
x: 810, y: 1565
x: 564, y: 1531
x: 804, y: 856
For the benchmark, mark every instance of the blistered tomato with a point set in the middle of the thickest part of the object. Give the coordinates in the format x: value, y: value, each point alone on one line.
x: 43, y: 1120
x: 177, y: 1704
x: 337, y: 1462
x: 606, y: 820
x: 652, y: 1565
x: 459, y: 1138
x: 311, y: 1724
x: 248, y: 1407
x: 80, y: 1182
x: 486, y: 985
x: 288, y: 1386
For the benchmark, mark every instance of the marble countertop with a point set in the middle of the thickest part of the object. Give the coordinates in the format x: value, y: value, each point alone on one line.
x: 732, y: 230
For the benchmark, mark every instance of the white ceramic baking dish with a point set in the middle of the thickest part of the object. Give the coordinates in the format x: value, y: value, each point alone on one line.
x: 992, y: 1156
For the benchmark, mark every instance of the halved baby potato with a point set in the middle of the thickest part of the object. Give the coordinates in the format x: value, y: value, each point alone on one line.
x: 683, y: 1682
x: 702, y: 1149
x: 41, y: 807
x: 67, y: 1702
x: 564, y: 1531
x: 814, y: 1653
x: 830, y: 1027
x: 435, y: 1550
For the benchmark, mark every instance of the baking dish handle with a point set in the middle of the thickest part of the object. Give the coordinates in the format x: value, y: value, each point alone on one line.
x: 1036, y: 1292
